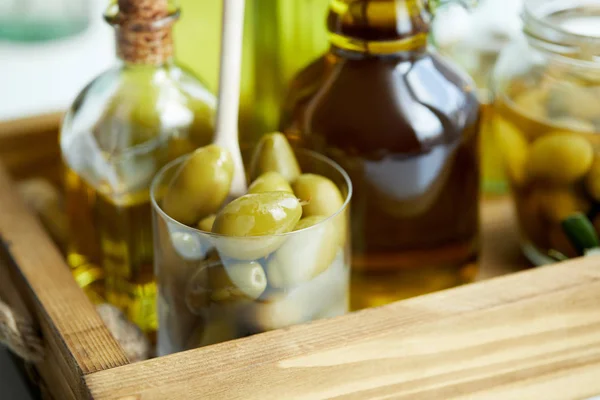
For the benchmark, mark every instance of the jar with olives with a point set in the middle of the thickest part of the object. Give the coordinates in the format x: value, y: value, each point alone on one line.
x: 277, y: 256
x: 547, y: 122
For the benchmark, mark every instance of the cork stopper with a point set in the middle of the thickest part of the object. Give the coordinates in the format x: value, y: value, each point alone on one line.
x: 144, y: 31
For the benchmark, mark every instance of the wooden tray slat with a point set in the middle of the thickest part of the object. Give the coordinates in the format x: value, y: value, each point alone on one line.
x: 531, y: 335
x: 78, y: 342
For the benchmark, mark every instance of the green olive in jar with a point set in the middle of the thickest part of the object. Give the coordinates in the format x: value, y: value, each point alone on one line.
x: 305, y: 254
x: 270, y: 182
x: 322, y: 197
x: 259, y: 214
x: 237, y: 281
x: 514, y: 147
x: 274, y: 153
x: 572, y: 100
x: 559, y: 158
x: 206, y: 223
x: 532, y: 102
x: 250, y: 221
x: 200, y: 186
x: 249, y: 277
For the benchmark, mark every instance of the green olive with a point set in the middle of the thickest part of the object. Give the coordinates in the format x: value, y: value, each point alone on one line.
x: 249, y: 218
x: 307, y: 222
x: 322, y: 197
x: 280, y: 314
x: 249, y: 277
x: 236, y: 281
x: 305, y: 254
x: 270, y: 182
x: 304, y: 302
x: 532, y: 102
x: 560, y: 158
x: 222, y: 289
x: 200, y: 186
x: 514, y: 148
x: 573, y: 100
x: 274, y: 153
x: 558, y: 203
x: 592, y: 179
x: 206, y: 223
x: 260, y: 214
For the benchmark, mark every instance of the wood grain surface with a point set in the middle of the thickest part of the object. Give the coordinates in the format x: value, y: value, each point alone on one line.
x: 77, y: 341
x: 530, y: 335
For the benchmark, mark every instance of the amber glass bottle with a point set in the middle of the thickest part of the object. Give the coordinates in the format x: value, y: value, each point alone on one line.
x: 404, y: 123
x: 122, y: 128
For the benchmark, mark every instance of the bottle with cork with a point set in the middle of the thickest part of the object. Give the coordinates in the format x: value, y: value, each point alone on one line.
x: 121, y: 129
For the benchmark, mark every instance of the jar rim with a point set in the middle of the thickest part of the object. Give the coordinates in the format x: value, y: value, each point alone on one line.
x: 160, y: 176
x: 548, y: 35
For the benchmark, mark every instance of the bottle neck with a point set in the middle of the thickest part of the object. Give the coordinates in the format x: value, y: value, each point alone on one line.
x: 144, y: 31
x: 150, y: 47
x: 379, y: 26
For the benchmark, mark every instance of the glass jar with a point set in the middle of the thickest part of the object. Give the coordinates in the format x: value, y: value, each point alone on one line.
x: 404, y: 123
x: 547, y: 119
x: 213, y: 288
x: 474, y: 39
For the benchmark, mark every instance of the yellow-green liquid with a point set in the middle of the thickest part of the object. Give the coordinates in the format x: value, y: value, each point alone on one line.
x: 280, y: 37
x: 114, y: 242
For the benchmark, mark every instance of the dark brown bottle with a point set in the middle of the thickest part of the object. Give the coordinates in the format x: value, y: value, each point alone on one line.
x: 404, y: 123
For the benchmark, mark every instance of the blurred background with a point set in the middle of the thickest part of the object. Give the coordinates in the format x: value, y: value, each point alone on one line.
x: 49, y: 50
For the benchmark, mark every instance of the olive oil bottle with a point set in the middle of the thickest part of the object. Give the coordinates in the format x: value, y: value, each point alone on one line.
x: 122, y: 128
x: 404, y: 124
x: 280, y: 37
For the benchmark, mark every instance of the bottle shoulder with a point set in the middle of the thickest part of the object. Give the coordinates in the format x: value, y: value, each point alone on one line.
x: 127, y: 107
x: 390, y: 102
x: 147, y: 96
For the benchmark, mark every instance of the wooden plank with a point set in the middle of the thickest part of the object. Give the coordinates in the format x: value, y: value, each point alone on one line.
x: 534, y: 333
x: 29, y: 147
x: 46, y: 369
x: 77, y: 341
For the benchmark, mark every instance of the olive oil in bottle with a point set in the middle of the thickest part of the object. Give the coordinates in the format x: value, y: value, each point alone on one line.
x: 404, y: 124
x: 121, y: 129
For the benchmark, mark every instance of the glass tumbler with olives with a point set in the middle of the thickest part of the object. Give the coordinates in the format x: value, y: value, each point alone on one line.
x: 276, y: 256
x: 547, y: 124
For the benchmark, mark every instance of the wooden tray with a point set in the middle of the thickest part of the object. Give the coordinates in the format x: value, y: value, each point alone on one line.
x: 533, y: 334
